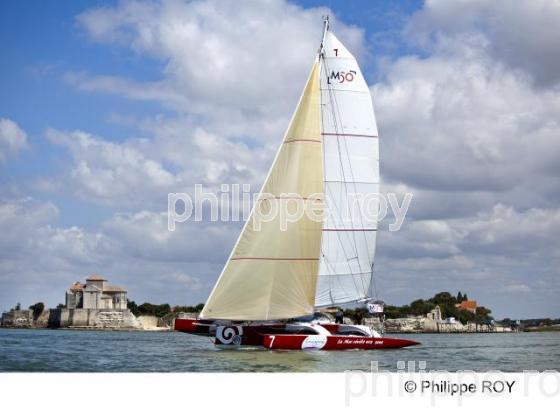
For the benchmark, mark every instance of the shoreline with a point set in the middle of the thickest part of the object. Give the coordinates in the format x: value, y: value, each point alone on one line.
x: 167, y: 329
x: 91, y: 328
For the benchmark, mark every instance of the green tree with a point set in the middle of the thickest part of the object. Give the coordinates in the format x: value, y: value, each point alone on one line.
x: 483, y: 315
x: 37, y: 309
x: 133, y: 307
x: 446, y: 303
x: 465, y: 316
x: 162, y: 310
x: 421, y: 307
x: 459, y: 297
x: 147, y: 309
x: 394, y: 312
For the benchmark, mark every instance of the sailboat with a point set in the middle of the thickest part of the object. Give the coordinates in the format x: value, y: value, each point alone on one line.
x: 278, y: 277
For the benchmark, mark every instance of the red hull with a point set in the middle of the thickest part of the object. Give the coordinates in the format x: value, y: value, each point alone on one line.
x: 334, y: 342
x: 277, y: 337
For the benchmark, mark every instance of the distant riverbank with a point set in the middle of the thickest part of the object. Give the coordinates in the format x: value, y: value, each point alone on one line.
x: 397, y: 326
x: 85, y: 319
x: 554, y: 328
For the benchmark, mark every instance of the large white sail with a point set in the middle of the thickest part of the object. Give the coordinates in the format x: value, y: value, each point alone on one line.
x: 272, y: 273
x: 351, y: 171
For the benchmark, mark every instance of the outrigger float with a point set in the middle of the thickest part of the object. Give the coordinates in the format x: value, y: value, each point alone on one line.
x: 278, y: 272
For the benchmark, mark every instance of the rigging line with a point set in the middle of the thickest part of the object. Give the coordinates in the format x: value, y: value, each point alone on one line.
x: 358, y: 273
x: 349, y: 135
x: 340, y: 236
x: 336, y: 107
x: 345, y: 142
x: 337, y: 111
x: 335, y: 276
x: 330, y: 280
x: 325, y: 238
x: 365, y: 287
x: 356, y: 182
x: 361, y: 221
x: 335, y: 203
x: 372, y: 283
x: 321, y: 68
x: 335, y: 124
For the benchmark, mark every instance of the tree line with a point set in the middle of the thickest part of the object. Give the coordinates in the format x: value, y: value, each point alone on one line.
x: 421, y: 307
x: 418, y: 307
x: 149, y: 309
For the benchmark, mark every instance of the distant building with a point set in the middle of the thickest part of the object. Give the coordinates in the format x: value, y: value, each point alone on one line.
x: 434, y: 314
x: 95, y: 294
x: 469, y: 305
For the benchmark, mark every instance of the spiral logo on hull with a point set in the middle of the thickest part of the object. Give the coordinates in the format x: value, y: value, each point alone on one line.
x: 229, y: 335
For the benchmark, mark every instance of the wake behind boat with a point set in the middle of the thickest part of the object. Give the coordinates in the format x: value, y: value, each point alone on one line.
x: 280, y: 272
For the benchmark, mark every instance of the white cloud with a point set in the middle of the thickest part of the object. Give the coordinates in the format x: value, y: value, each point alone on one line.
x: 140, y: 172
x: 145, y: 235
x: 241, y: 67
x: 232, y: 74
x: 12, y: 138
x: 465, y: 122
x: 517, y: 288
x: 111, y: 172
x: 136, y: 251
x: 471, y: 128
x: 523, y: 35
x: 36, y: 256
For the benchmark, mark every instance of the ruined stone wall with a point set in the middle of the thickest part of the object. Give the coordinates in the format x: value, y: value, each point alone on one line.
x: 17, y: 318
x: 63, y: 317
x: 148, y: 322
x: 102, y: 318
x: 113, y: 318
x: 43, y: 319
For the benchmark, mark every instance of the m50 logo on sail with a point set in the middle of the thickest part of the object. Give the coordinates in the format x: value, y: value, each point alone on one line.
x: 340, y: 77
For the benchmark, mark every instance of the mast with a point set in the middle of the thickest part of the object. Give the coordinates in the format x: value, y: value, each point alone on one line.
x: 325, y: 29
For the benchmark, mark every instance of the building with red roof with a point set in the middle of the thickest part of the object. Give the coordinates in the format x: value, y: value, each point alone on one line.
x: 95, y: 294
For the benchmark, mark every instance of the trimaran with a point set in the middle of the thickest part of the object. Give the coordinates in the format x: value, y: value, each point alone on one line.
x: 275, y: 277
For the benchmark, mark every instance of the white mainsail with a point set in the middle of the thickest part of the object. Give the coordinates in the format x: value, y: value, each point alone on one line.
x: 272, y: 273
x: 330, y: 149
x: 351, y: 171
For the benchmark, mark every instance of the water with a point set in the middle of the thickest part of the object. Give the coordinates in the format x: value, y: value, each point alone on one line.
x: 26, y: 350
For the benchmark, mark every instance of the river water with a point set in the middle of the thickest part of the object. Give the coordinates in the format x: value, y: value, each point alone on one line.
x: 44, y: 350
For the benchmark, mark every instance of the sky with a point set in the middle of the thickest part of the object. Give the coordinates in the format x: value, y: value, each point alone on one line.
x: 107, y: 106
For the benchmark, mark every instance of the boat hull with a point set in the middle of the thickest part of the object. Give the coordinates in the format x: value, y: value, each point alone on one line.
x: 334, y: 342
x: 279, y: 337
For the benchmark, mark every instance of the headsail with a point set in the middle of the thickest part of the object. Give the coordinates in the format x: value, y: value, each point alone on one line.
x: 351, y: 171
x: 271, y: 273
x: 331, y: 147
